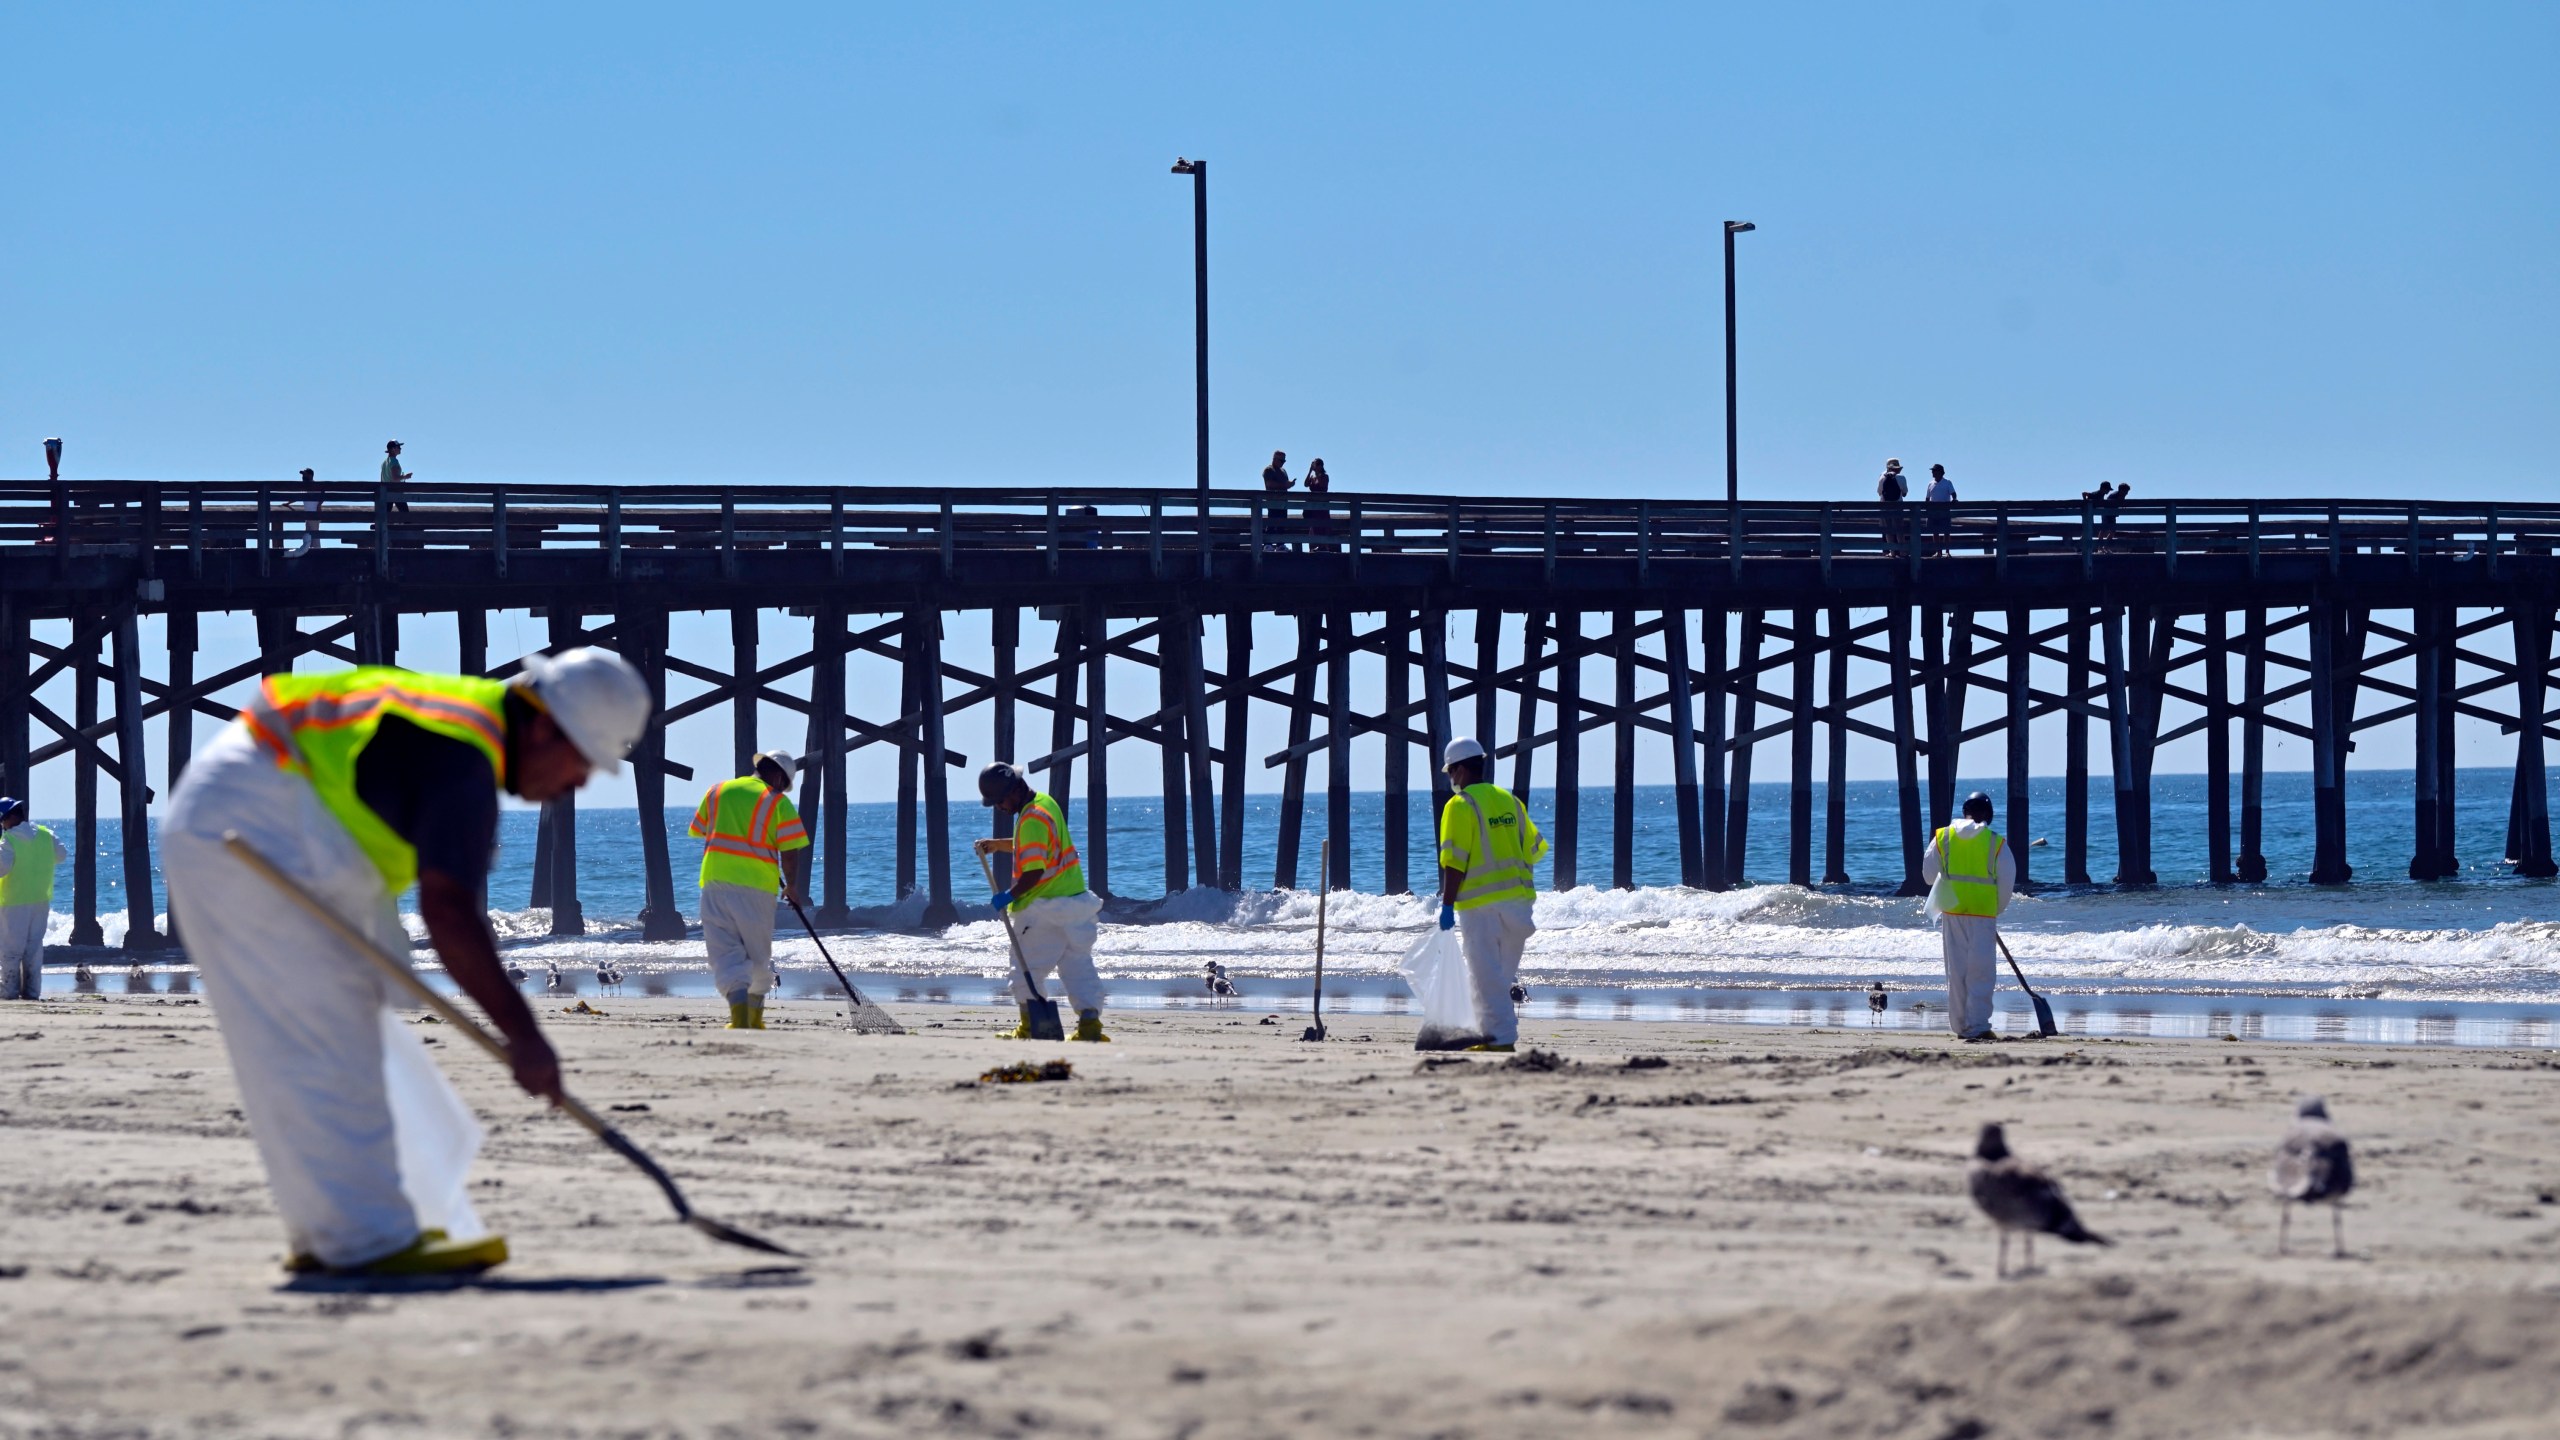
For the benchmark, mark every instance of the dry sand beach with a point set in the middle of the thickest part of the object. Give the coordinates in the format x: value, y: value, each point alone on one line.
x: 1214, y: 1230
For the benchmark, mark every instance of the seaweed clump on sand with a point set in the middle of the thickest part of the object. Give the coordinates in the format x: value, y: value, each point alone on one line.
x: 1023, y: 1072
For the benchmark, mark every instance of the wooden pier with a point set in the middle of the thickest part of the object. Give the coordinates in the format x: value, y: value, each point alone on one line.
x: 1723, y: 629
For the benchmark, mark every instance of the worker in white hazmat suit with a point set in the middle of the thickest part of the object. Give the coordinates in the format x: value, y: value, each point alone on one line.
x: 748, y: 831
x: 29, y: 854
x: 1971, y: 875
x: 1489, y: 851
x: 1055, y: 916
x: 358, y: 784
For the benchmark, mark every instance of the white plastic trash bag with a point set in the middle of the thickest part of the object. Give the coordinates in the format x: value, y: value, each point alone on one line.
x: 1437, y: 970
x: 434, y: 1133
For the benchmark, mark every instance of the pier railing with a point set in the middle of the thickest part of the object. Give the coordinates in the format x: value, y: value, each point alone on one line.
x: 1235, y: 529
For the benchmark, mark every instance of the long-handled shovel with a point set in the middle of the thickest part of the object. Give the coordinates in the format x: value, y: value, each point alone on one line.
x: 452, y: 1014
x: 1324, y: 866
x: 865, y: 1017
x: 1039, y: 1013
x: 2044, y: 1012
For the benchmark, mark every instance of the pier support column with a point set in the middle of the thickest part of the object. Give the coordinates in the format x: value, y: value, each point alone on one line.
x: 1237, y: 712
x: 16, y: 717
x: 1684, y: 744
x: 182, y: 685
x: 1097, y: 850
x: 568, y: 917
x: 1435, y: 701
x: 2531, y: 624
x: 1488, y: 690
x: 826, y: 707
x: 1196, y: 751
x: 2217, y: 747
x: 1293, y: 770
x: 2020, y: 783
x: 910, y: 751
x: 1835, y: 785
x: 1172, y: 739
x: 742, y: 704
x: 2075, y: 751
x: 2328, y: 750
x: 1568, y: 846
x: 2251, y: 867
x: 1337, y: 749
x: 1714, y: 867
x: 1066, y: 680
x: 2427, y: 645
x: 1800, y: 752
x: 1533, y: 645
x: 133, y: 789
x: 1942, y: 746
x: 1004, y: 629
x: 84, y: 795
x: 471, y: 644
x: 1396, y: 821
x: 2448, y: 852
x: 1622, y: 793
x: 2120, y: 752
x: 1906, y: 761
x: 644, y: 644
x: 936, y: 763
x: 1745, y: 677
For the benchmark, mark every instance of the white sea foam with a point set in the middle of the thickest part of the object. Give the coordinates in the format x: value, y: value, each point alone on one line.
x: 2491, y: 940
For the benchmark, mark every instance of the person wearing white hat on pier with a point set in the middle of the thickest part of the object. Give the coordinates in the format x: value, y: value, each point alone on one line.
x: 1489, y: 848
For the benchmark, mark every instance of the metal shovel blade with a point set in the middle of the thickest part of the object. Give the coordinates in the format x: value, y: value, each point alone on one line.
x: 1042, y: 1017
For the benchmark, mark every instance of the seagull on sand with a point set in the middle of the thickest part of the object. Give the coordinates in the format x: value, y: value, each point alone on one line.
x: 2312, y: 1167
x: 1875, y: 1003
x: 2018, y: 1196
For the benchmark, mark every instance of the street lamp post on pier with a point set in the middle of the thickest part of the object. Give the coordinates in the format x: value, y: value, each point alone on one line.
x: 1732, y: 445
x: 1198, y: 170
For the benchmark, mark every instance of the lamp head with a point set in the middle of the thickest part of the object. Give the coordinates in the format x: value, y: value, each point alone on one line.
x: 1182, y: 166
x: 1736, y: 227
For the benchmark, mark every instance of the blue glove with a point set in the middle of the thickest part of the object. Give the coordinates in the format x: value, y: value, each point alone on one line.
x: 1002, y: 899
x: 1448, y: 915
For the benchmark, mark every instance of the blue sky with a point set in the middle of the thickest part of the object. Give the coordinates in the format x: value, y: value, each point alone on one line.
x: 2275, y: 249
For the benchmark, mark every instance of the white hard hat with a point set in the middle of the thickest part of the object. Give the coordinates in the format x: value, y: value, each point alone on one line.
x: 596, y: 697
x: 1462, y: 748
x: 783, y: 758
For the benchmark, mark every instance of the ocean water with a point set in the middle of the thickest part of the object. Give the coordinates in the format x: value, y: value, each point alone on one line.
x: 2485, y: 937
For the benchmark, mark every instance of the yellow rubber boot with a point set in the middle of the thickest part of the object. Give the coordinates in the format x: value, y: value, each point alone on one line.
x: 1022, y: 1027
x: 1493, y: 1049
x: 432, y: 1253
x: 1089, y: 1027
x: 738, y: 1017
x: 755, y: 1013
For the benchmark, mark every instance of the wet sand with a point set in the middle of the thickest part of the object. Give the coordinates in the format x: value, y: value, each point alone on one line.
x: 1215, y: 1230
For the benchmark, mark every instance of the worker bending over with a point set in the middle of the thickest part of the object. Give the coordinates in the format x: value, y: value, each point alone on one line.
x: 358, y: 785
x: 746, y: 826
x: 28, y: 857
x: 1970, y: 873
x: 1488, y: 889
x: 1053, y: 913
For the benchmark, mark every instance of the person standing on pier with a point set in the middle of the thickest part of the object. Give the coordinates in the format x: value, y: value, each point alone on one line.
x: 28, y: 857
x: 1053, y: 912
x: 1942, y: 500
x: 1319, y: 513
x: 358, y: 785
x: 746, y: 826
x: 392, y: 475
x: 1275, y: 484
x: 1971, y: 875
x: 1891, y: 491
x: 1488, y: 889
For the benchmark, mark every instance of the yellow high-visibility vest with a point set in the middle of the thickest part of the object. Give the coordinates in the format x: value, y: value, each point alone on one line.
x: 744, y: 826
x: 30, y: 877
x: 1967, y: 862
x: 1041, y: 842
x: 1485, y: 832
x: 320, y: 724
